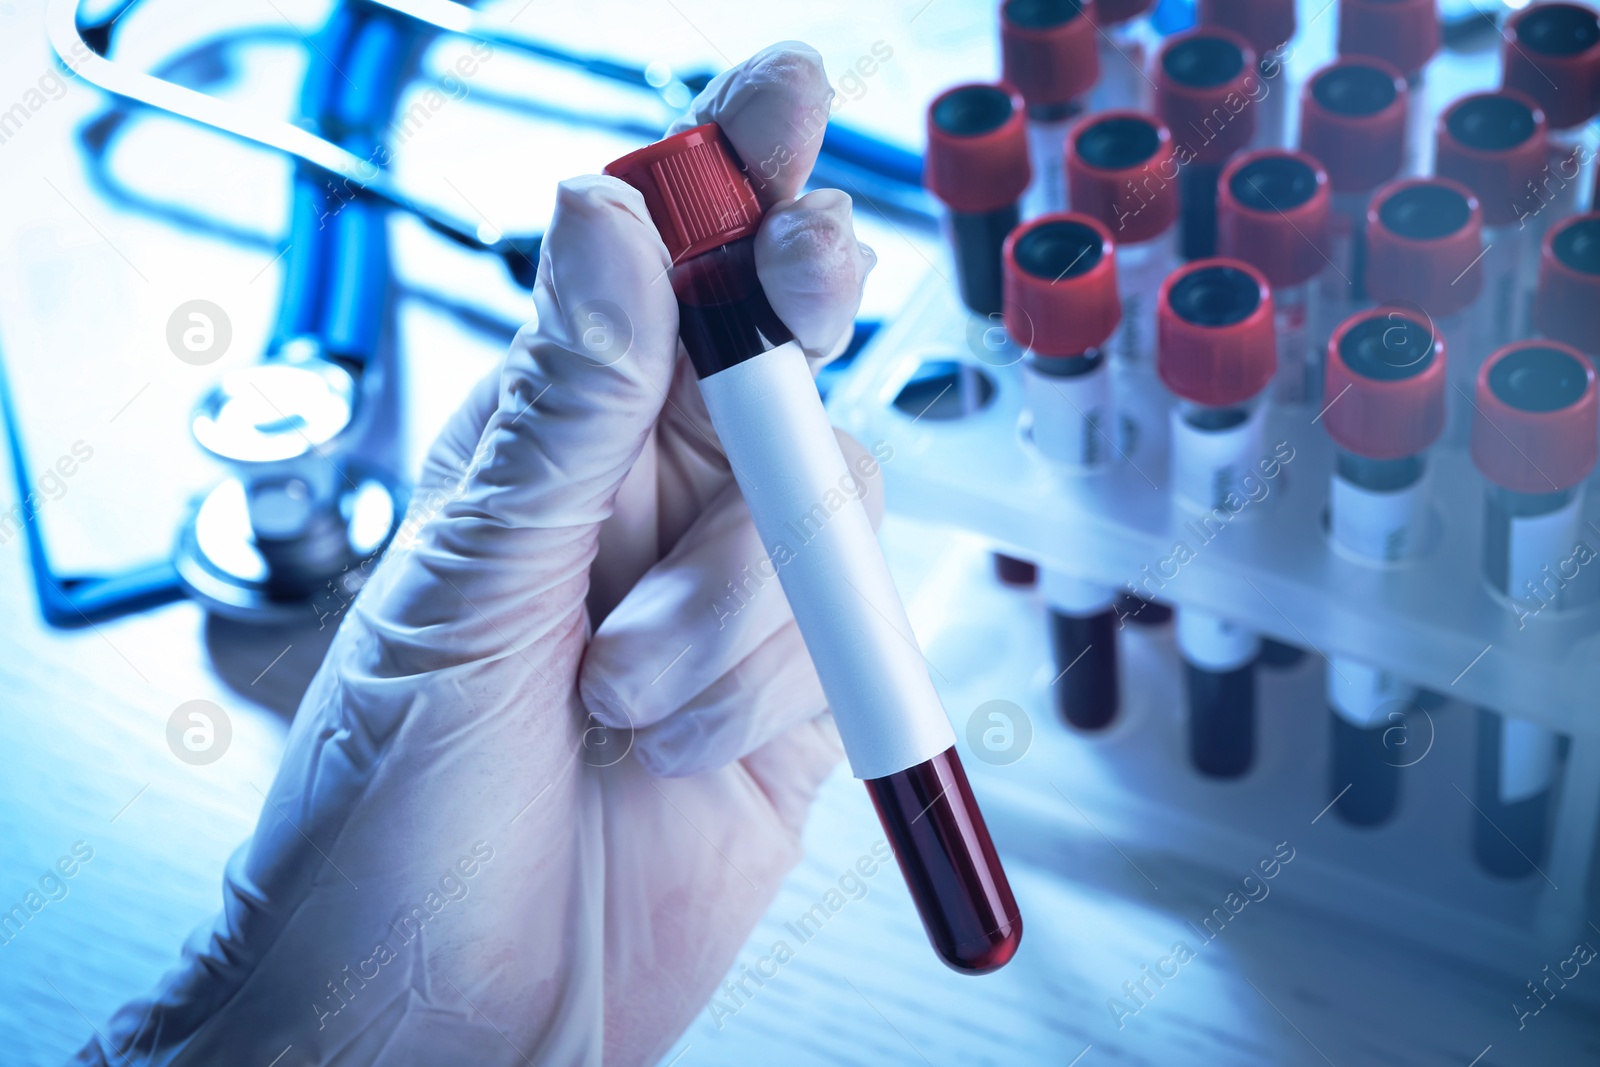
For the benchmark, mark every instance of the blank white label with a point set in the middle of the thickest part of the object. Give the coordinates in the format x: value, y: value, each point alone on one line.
x: 1374, y: 525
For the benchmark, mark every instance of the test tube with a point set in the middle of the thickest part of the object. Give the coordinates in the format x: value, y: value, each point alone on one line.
x: 1268, y: 25
x: 1424, y: 252
x: 1120, y: 41
x: 1405, y: 34
x: 1203, y: 93
x: 1061, y: 304
x: 1272, y: 212
x: 1566, y: 305
x: 1352, y: 119
x: 1534, y: 441
x: 1387, y: 367
x: 1494, y: 144
x: 1217, y: 355
x: 1552, y: 54
x: 977, y: 166
x: 769, y: 417
x: 1048, y: 54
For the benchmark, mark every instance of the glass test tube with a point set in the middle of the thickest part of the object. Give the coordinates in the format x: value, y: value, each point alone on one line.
x: 1566, y: 304
x: 1268, y: 25
x: 1122, y: 45
x: 1048, y: 54
x: 1405, y: 34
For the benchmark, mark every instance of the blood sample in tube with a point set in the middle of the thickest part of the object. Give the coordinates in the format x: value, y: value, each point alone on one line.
x: 1268, y: 25
x: 977, y: 166
x: 1494, y: 144
x: 1387, y: 366
x: 1353, y: 119
x: 1122, y: 43
x: 1061, y: 304
x: 1424, y: 253
x: 1405, y: 34
x: 769, y: 417
x: 1048, y: 54
x: 1566, y: 306
x: 1217, y: 355
x: 1552, y: 54
x: 1203, y: 94
x: 1534, y: 440
x: 1273, y: 208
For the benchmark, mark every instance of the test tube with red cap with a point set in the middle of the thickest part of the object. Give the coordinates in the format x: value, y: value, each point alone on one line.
x: 769, y: 418
x: 977, y: 166
x: 1566, y: 305
x: 1552, y: 54
x: 1405, y: 34
x: 1494, y: 144
x: 1534, y: 441
x: 1424, y: 253
x: 1273, y: 208
x: 1217, y: 355
x: 1121, y: 41
x: 1387, y: 367
x: 1048, y: 54
x: 1268, y: 25
x: 1061, y: 306
x: 1206, y: 92
x: 1352, y: 119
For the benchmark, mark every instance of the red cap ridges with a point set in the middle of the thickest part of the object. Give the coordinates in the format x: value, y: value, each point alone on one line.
x: 1436, y: 265
x: 977, y: 158
x: 1273, y: 209
x: 1552, y: 53
x: 1566, y: 305
x: 1477, y: 147
x: 1402, y: 32
x: 1533, y: 447
x: 1060, y: 284
x: 1353, y: 119
x: 1266, y: 24
x: 1110, y: 177
x: 694, y: 188
x: 1389, y: 398
x: 1047, y: 50
x: 1190, y: 106
x: 1229, y: 360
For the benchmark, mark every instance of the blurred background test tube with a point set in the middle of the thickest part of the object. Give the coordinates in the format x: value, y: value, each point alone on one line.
x: 1534, y: 441
x: 1424, y: 254
x: 1353, y: 120
x: 1061, y: 305
x: 977, y: 166
x: 1217, y: 355
x: 1122, y: 39
x: 1272, y: 213
x: 1566, y: 305
x: 1387, y: 369
x: 1552, y: 54
x: 1494, y: 144
x: 1405, y: 34
x: 1203, y: 93
x: 1268, y: 25
x: 1048, y: 54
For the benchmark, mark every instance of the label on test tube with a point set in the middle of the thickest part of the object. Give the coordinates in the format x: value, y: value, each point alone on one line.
x: 1209, y: 466
x: 1046, y: 145
x: 1071, y: 415
x: 1362, y: 694
x: 1374, y: 525
x: 1214, y: 643
x: 1527, y: 759
x: 1537, y: 543
x: 1298, y: 372
x: 828, y: 560
x: 1074, y: 596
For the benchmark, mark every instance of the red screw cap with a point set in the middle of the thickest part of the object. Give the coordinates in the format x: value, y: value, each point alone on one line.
x: 1108, y: 13
x: 1402, y: 32
x: 1121, y: 170
x: 1535, y: 430
x: 1207, y: 89
x: 1552, y: 53
x: 977, y: 157
x: 1047, y: 50
x: 1495, y: 145
x: 1266, y: 24
x: 1386, y: 369
x: 1273, y: 208
x: 1060, y: 285
x: 1353, y: 119
x: 1566, y: 305
x: 694, y: 188
x: 1214, y: 339
x: 1424, y: 243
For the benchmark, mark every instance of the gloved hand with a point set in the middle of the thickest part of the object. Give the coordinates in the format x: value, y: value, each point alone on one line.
x: 456, y: 865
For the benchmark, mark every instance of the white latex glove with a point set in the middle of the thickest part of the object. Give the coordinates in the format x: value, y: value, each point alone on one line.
x: 441, y: 873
